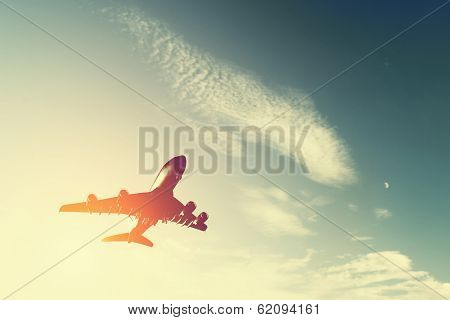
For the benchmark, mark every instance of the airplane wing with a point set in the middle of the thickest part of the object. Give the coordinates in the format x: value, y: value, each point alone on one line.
x: 129, y: 204
x: 191, y: 221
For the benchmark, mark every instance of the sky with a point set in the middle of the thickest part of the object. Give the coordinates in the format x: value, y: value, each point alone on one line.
x: 69, y: 129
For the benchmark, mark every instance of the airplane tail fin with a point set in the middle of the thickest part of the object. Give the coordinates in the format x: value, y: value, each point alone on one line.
x: 129, y: 238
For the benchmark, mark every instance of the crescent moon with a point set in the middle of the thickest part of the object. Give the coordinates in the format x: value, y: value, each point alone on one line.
x: 386, y: 185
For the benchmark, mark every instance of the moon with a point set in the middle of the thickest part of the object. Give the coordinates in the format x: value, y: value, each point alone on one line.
x: 386, y: 185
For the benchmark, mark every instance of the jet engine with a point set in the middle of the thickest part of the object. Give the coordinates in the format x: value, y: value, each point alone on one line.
x: 91, y: 199
x: 123, y: 194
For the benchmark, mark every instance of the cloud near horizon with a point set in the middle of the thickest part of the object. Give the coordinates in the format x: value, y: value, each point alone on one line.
x: 370, y: 276
x: 236, y: 273
x: 218, y: 93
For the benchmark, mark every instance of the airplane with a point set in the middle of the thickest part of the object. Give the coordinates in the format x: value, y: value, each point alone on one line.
x: 159, y: 204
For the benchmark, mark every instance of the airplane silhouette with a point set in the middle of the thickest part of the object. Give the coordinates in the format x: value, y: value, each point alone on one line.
x: 158, y: 204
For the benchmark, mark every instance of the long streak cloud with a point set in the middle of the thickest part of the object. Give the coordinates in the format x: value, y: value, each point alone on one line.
x: 217, y: 93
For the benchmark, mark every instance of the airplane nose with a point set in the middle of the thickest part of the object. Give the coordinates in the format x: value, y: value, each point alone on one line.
x: 180, y: 164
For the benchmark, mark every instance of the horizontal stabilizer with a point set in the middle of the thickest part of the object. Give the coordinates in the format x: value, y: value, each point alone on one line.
x: 129, y: 238
x: 117, y: 237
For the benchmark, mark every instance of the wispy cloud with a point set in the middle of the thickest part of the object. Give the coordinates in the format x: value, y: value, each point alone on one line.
x: 353, y: 207
x: 270, y: 216
x: 382, y: 214
x: 320, y: 201
x: 215, y: 92
x: 296, y: 264
x: 372, y: 277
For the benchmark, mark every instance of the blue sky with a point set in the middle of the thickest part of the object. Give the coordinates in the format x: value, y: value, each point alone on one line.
x: 388, y: 116
x: 392, y: 110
